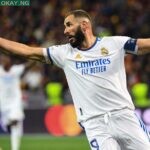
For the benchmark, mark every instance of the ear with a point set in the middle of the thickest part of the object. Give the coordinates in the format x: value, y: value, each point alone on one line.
x: 84, y: 25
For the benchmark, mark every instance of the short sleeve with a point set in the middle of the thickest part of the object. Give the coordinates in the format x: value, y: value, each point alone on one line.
x: 56, y: 54
x: 127, y: 44
x: 120, y: 41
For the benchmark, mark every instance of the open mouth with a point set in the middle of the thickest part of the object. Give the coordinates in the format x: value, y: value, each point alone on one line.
x: 71, y: 39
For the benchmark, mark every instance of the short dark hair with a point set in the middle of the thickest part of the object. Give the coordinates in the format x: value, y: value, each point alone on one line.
x: 79, y: 13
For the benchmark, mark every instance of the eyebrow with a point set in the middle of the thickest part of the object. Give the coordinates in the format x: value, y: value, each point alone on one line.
x: 67, y: 23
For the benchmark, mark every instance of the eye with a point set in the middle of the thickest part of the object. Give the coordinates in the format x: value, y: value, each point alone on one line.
x: 68, y: 24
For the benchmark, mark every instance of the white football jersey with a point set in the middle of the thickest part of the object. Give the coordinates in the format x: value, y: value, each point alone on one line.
x: 96, y: 76
x: 10, y: 92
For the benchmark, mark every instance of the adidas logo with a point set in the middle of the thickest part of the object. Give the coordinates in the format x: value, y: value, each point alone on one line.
x: 104, y: 51
x: 78, y: 56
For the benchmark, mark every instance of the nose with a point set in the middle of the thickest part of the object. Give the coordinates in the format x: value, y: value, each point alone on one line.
x: 65, y: 31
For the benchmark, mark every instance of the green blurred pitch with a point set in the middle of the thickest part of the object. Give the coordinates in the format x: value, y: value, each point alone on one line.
x: 47, y: 142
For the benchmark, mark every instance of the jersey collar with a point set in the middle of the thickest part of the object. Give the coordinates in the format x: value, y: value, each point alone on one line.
x: 97, y: 39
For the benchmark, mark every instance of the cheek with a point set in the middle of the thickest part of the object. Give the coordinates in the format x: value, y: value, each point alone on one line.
x: 70, y: 31
x: 73, y: 30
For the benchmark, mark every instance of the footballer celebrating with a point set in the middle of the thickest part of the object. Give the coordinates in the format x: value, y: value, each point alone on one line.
x: 95, y: 71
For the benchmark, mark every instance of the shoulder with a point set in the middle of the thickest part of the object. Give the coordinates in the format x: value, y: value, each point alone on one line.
x: 61, y: 46
x: 115, y: 38
x: 117, y: 41
x: 59, y: 50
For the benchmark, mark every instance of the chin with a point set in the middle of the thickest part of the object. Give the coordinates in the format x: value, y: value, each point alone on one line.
x: 73, y: 43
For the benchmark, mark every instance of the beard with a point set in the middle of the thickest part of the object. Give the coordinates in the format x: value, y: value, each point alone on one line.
x: 78, y: 38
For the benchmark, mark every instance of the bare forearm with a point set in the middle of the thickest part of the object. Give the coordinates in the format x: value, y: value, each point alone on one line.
x: 21, y: 49
x: 14, y: 47
x: 143, y: 46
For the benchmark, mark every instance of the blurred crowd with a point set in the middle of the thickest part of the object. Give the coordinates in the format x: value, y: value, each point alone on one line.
x: 41, y: 24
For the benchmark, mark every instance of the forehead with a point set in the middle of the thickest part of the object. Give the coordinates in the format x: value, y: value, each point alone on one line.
x: 69, y: 19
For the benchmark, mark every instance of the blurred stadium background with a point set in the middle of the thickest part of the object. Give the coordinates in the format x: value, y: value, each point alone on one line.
x: 50, y: 119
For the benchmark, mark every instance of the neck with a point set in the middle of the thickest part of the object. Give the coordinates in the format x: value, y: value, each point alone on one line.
x: 88, y: 42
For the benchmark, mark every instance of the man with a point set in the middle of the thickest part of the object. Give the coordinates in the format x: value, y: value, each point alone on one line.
x: 11, y: 104
x: 94, y: 68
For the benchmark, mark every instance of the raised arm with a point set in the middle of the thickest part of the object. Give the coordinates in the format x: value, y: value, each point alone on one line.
x: 143, y: 46
x: 23, y: 50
